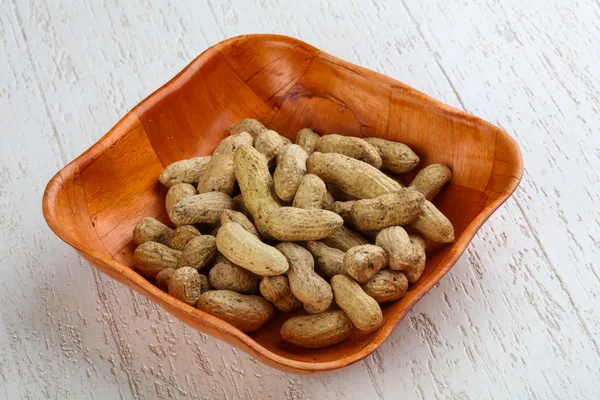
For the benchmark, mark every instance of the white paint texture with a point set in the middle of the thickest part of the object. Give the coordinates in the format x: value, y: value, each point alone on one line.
x: 517, y: 317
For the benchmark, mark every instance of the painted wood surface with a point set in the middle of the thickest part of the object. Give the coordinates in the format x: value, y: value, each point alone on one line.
x: 517, y: 317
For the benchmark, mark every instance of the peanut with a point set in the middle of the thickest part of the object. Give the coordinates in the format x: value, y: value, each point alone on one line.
x: 361, y: 308
x: 328, y: 261
x: 305, y: 283
x: 431, y: 179
x: 256, y: 185
x: 434, y: 225
x: 177, y: 193
x: 293, y: 224
x: 277, y: 290
x: 415, y: 270
x: 185, y: 285
x: 240, y: 206
x: 205, y: 283
x: 396, y: 242
x: 246, y: 312
x: 311, y: 194
x: 219, y: 175
x: 269, y: 143
x: 250, y: 125
x: 184, y: 171
x: 182, y: 235
x: 386, y: 210
x: 246, y: 250
x: 342, y: 208
x: 198, y: 252
x: 350, y: 146
x: 329, y: 200
x: 317, y: 331
x: 201, y: 208
x: 338, y: 194
x: 307, y: 139
x: 151, y: 257
x: 386, y: 285
x: 163, y: 278
x: 234, y: 216
x: 151, y: 230
x: 344, y: 238
x: 395, y: 157
x: 354, y: 177
x: 363, y: 262
x: 289, y: 172
x: 227, y: 276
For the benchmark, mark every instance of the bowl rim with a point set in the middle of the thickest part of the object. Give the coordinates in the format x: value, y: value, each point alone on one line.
x: 231, y: 334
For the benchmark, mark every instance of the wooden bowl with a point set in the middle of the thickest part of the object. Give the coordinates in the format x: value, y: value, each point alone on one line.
x: 94, y: 202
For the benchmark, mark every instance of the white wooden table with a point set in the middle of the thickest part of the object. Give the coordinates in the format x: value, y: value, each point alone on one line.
x: 517, y: 317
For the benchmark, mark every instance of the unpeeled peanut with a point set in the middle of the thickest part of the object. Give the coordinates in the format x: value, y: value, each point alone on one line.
x: 434, y: 225
x: 396, y: 242
x: 246, y: 250
x: 431, y: 179
x: 269, y: 143
x: 328, y: 261
x: 386, y: 285
x: 185, y: 285
x: 240, y: 206
x: 311, y: 194
x: 177, y: 193
x: 151, y: 257
x: 225, y: 275
x: 151, y: 230
x: 277, y: 290
x: 344, y: 239
x: 245, y: 312
x: 317, y: 331
x: 198, y: 252
x: 395, y: 157
x: 163, y: 278
x: 235, y: 216
x: 354, y: 177
x: 363, y: 262
x: 342, y: 208
x: 307, y: 139
x: 294, y: 224
x: 391, y: 209
x: 182, y: 235
x: 415, y: 270
x: 184, y: 171
x: 305, y: 283
x: 289, y: 172
x: 250, y: 125
x: 361, y: 308
x: 201, y: 208
x: 350, y: 146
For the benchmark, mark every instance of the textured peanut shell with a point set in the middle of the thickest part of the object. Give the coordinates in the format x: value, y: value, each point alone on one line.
x: 246, y: 312
x: 430, y: 180
x: 277, y: 290
x: 205, y: 283
x: 201, y: 208
x: 354, y: 177
x: 344, y: 238
x: 305, y: 283
x: 182, y: 235
x: 256, y: 185
x: 185, y: 285
x: 307, y: 139
x: 151, y: 230
x: 219, y: 175
x: 396, y: 242
x: 391, y: 209
x: 329, y: 200
x: 395, y: 157
x: 235, y: 216
x: 177, y: 193
x: 227, y: 276
x: 434, y: 225
x: 361, y: 308
x: 151, y: 257
x: 240, y: 206
x: 350, y: 146
x: 363, y: 262
x: 328, y: 261
x: 289, y: 172
x: 198, y: 252
x: 317, y: 331
x: 250, y: 125
x: 386, y: 285
x: 293, y: 224
x: 415, y: 270
x: 342, y: 208
x: 311, y: 194
x: 184, y: 171
x: 269, y: 143
x: 246, y: 250
x: 338, y: 194
x: 163, y: 278
x: 281, y: 153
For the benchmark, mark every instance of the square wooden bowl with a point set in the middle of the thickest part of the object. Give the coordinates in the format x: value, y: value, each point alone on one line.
x: 94, y: 202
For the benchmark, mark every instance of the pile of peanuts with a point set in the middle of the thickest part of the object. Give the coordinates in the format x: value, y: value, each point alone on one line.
x: 324, y: 224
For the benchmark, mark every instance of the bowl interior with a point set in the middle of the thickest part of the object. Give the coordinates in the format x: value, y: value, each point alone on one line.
x: 96, y: 200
